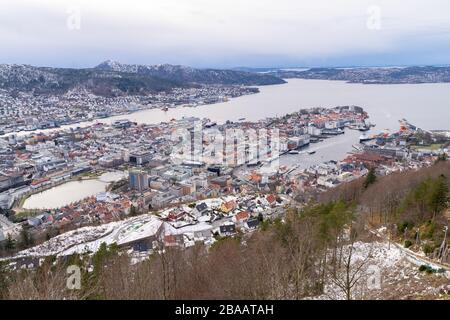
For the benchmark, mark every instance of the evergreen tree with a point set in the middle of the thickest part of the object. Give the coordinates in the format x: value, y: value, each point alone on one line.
x: 101, y: 257
x: 370, y: 178
x: 420, y: 197
x: 439, y: 196
x: 133, y: 211
x: 441, y: 157
x: 27, y: 239
x: 260, y: 217
x: 10, y: 243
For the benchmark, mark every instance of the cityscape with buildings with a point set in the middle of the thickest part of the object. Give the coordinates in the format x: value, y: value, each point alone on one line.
x: 146, y: 187
x: 29, y: 112
x: 189, y: 200
x: 217, y: 157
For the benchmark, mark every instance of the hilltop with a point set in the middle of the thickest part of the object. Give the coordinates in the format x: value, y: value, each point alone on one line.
x: 114, y: 79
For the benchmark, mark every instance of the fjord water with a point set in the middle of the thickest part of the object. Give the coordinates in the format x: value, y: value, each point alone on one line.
x: 426, y: 105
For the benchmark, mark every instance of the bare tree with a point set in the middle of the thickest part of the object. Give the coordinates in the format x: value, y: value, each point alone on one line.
x: 351, y: 271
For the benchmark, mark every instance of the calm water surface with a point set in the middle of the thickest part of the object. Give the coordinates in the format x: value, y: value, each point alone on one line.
x: 426, y: 105
x: 71, y: 191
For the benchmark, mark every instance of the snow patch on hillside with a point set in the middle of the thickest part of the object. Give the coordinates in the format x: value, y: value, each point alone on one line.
x: 388, y: 273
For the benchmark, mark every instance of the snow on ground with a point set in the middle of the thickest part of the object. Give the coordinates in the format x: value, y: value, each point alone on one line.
x: 139, y: 229
x: 384, y: 255
x: 202, y: 226
x: 89, y: 239
x: 389, y: 272
x: 66, y: 240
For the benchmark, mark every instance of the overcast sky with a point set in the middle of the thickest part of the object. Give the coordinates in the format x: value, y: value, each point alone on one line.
x: 225, y: 33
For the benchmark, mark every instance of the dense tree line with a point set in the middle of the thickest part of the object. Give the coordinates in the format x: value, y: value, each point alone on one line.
x: 412, y: 204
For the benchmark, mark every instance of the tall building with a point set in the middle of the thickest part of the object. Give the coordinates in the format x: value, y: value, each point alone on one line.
x: 138, y: 180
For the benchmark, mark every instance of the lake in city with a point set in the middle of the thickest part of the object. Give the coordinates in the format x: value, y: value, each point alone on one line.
x: 425, y: 105
x: 71, y: 191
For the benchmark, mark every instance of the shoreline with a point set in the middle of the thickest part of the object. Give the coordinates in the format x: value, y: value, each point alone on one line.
x: 86, y: 123
x: 96, y: 177
x: 267, y: 91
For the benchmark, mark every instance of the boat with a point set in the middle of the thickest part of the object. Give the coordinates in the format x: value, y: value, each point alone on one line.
x: 122, y: 123
x: 253, y: 163
x: 272, y: 158
x: 332, y: 132
x: 311, y: 152
x: 165, y: 109
x: 210, y: 124
x: 364, y: 138
x: 364, y: 128
x: 361, y: 126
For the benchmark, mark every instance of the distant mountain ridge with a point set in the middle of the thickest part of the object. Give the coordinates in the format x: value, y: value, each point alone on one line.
x: 188, y: 74
x: 381, y: 75
x: 113, y: 78
x: 56, y: 81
